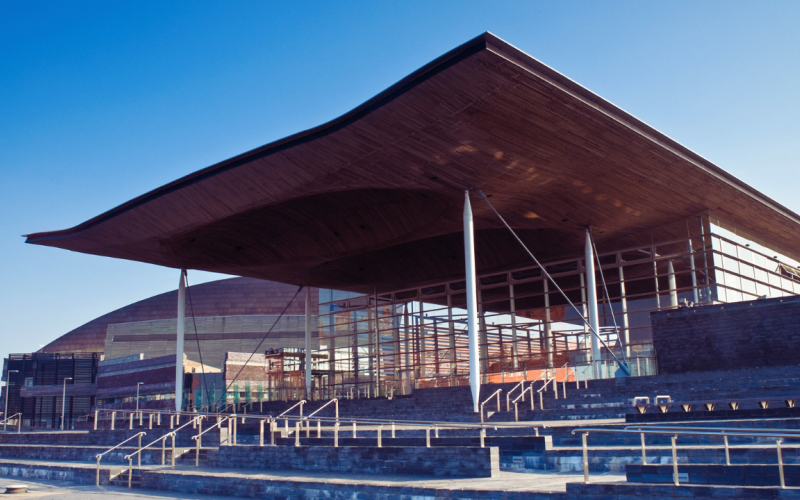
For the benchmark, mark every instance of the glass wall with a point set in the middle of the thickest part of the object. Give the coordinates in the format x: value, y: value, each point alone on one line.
x: 394, y: 342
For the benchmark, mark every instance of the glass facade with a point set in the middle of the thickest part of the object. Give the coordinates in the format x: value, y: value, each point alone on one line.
x: 394, y: 342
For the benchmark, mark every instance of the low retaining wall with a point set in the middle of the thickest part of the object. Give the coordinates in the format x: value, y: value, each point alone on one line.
x: 82, y: 454
x: 57, y: 473
x: 293, y: 489
x: 419, y: 461
x: 738, y: 475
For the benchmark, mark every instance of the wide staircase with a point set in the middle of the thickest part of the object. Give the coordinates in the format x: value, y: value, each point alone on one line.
x: 408, y: 442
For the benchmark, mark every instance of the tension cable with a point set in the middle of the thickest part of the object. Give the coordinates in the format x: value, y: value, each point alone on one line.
x: 547, y: 275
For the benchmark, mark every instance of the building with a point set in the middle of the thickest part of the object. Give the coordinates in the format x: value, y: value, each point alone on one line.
x: 487, y: 217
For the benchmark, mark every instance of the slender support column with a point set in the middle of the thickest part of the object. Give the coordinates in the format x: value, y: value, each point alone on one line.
x: 308, y: 343
x: 548, y: 331
x: 586, y: 339
x: 483, y: 339
x: 673, y: 288
x: 591, y: 303
x: 377, y: 326
x: 452, y: 331
x: 472, y: 303
x: 694, y: 274
x: 179, y: 343
x: 396, y: 342
x: 422, y: 344
x: 406, y: 340
x: 626, y: 332
x: 514, y: 350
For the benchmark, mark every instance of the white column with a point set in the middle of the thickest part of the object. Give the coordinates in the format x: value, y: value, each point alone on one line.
x: 308, y: 342
x: 472, y: 304
x: 591, y: 303
x: 179, y: 342
x: 514, y: 350
x: 624, y: 303
x: 673, y: 289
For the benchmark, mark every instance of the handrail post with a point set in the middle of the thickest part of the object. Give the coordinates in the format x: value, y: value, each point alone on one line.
x: 336, y: 403
x: 140, y: 419
x: 308, y: 428
x: 273, y: 426
x: 158, y: 418
x: 498, y: 401
x: 172, y: 421
x: 516, y: 413
x: 261, y: 433
x: 354, y: 429
x: 164, y: 450
x: 380, y: 429
x: 336, y: 435
x: 319, y: 429
x: 585, y: 458
x: 200, y: 429
x: 197, y: 452
x: 481, y: 412
x: 97, y: 477
x: 436, y: 431
x: 297, y: 433
x: 130, y: 471
x: 113, y: 418
x: 235, y: 431
x: 150, y: 424
x: 173, y: 450
x: 644, y: 455
x: 130, y: 421
x: 392, y: 429
x: 427, y: 437
x: 727, y: 453
x: 483, y: 437
x: 96, y: 412
x: 780, y: 463
x: 139, y: 462
x: 674, y: 461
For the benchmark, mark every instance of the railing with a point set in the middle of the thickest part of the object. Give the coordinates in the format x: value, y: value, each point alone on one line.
x: 522, y: 396
x: 19, y: 422
x: 495, y: 393
x: 198, y: 439
x: 508, y: 394
x: 780, y: 434
x: 163, y: 440
x: 308, y: 418
x: 541, y: 389
x: 98, y: 457
x: 175, y: 416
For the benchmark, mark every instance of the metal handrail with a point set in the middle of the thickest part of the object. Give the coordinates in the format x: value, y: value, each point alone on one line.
x: 564, y: 382
x: 508, y: 394
x: 516, y: 408
x: 198, y: 439
x: 19, y: 422
x: 299, y: 403
x: 163, y: 440
x: 495, y: 393
x: 541, y: 397
x: 98, y: 457
x: 334, y: 400
x: 690, y: 432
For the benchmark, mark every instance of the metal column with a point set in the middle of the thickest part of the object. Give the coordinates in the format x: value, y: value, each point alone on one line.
x: 624, y: 303
x: 514, y: 350
x: 673, y: 288
x: 472, y: 303
x: 179, y: 342
x: 307, y: 343
x: 591, y: 303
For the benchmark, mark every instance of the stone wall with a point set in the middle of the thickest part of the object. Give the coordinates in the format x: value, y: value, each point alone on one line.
x: 441, y: 461
x: 742, y: 335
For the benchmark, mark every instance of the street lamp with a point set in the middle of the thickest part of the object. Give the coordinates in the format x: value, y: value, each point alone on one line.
x: 64, y: 400
x: 137, y: 396
x: 5, y: 412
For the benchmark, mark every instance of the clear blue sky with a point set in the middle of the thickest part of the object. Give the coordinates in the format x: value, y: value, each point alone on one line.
x: 103, y: 101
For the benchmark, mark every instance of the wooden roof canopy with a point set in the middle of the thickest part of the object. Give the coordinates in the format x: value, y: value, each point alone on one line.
x: 374, y: 198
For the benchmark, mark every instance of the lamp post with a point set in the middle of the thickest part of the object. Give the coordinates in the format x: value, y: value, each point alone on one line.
x: 5, y: 412
x: 137, y: 395
x: 64, y: 400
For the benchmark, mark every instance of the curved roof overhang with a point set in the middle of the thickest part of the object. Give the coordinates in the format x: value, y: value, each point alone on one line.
x: 374, y: 199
